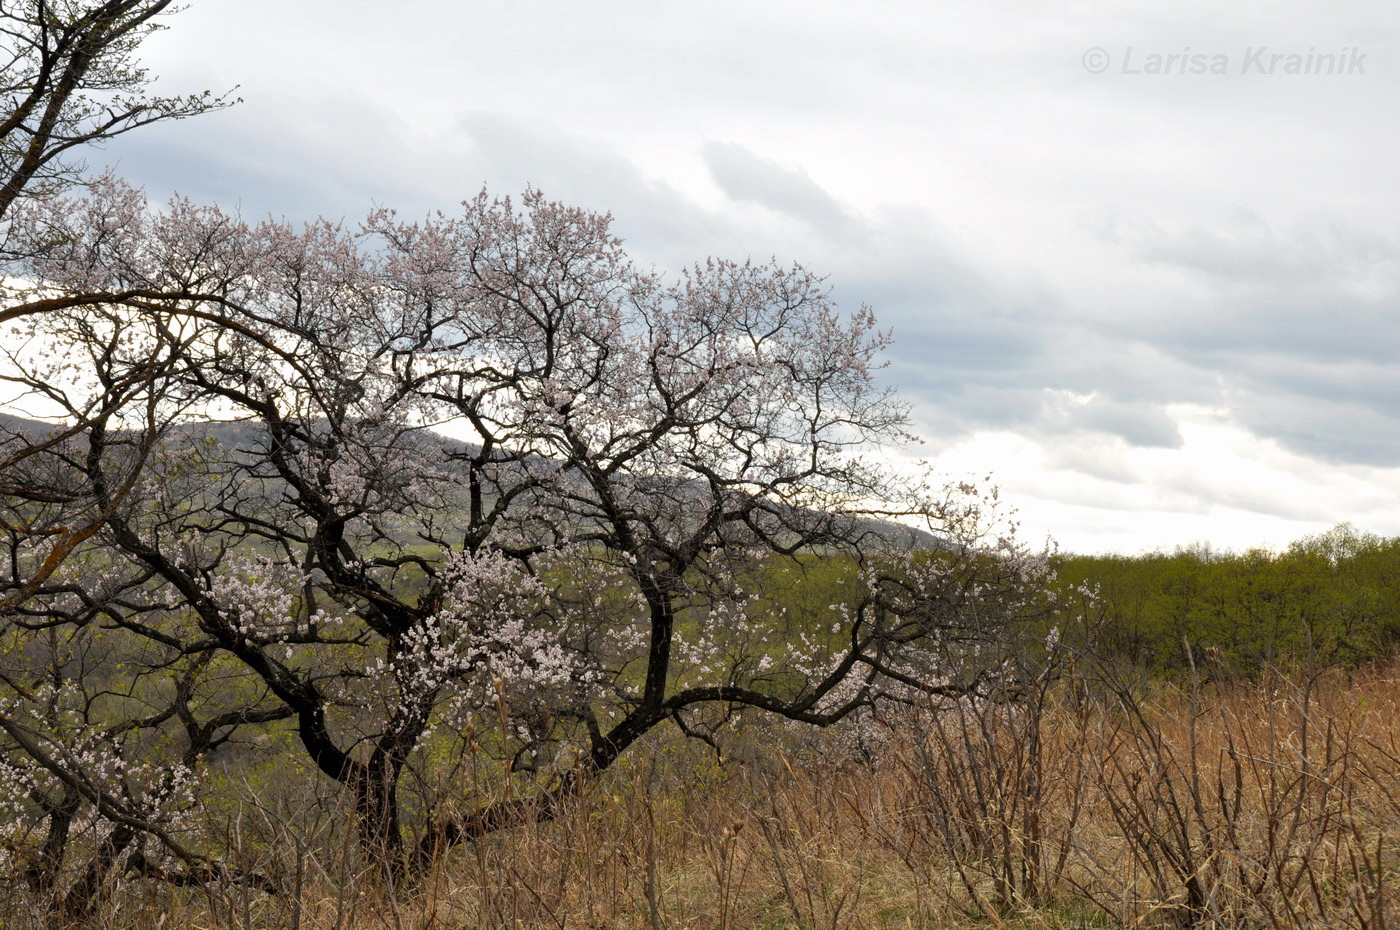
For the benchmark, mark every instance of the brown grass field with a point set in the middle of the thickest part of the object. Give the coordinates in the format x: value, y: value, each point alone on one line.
x: 1268, y: 803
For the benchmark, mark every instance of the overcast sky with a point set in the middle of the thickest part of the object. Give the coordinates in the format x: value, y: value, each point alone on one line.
x: 1160, y: 308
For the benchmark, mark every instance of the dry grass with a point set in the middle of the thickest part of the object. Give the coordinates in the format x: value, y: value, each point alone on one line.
x: 1223, y: 805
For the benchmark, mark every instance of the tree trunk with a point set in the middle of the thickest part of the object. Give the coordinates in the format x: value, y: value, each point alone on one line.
x: 377, y: 810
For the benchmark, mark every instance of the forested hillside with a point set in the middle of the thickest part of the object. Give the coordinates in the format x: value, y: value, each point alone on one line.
x: 1329, y: 599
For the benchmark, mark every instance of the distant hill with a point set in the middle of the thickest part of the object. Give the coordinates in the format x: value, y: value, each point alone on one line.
x: 244, y: 436
x: 11, y: 426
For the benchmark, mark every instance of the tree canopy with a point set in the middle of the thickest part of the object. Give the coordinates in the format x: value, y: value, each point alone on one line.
x: 670, y: 501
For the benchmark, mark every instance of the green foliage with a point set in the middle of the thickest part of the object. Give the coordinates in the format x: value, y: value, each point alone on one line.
x: 1331, y: 599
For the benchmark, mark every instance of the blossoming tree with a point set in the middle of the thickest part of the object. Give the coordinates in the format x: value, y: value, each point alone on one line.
x: 70, y: 79
x: 653, y: 485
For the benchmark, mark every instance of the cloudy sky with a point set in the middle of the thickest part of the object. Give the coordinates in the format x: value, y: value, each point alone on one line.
x: 1160, y: 304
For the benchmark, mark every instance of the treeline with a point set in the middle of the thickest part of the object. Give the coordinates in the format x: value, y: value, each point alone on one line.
x: 1328, y: 599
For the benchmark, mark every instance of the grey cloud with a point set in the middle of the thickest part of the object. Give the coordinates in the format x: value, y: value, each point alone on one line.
x: 660, y: 224
x: 1297, y: 327
x: 1144, y: 425
x: 744, y: 176
x: 332, y: 155
x: 1327, y: 430
x: 1254, y: 252
x: 1283, y: 502
x: 1131, y: 498
x: 1103, y: 460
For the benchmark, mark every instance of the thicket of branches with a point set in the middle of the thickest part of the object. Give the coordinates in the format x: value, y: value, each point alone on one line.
x: 669, y: 505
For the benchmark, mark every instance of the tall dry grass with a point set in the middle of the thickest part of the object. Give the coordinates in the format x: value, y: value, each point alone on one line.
x: 1092, y: 800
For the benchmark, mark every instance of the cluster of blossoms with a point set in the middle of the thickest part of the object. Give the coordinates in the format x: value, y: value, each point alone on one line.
x: 492, y: 626
x: 262, y: 600
x: 103, y: 773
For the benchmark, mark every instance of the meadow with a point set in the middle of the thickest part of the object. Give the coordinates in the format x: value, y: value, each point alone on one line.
x: 1100, y: 797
